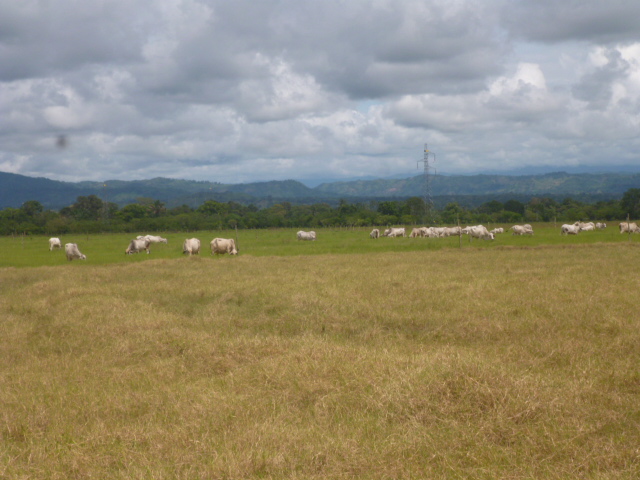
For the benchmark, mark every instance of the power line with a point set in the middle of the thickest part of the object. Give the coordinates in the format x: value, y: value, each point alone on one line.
x: 428, y: 200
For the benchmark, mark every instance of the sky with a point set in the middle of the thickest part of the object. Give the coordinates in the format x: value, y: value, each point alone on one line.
x: 313, y: 90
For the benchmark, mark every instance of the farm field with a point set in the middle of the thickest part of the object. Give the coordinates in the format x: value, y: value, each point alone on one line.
x: 340, y: 358
x: 102, y: 249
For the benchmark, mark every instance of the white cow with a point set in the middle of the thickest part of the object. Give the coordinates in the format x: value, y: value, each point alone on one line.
x: 54, y: 243
x: 448, y: 231
x: 570, y: 229
x: 416, y: 232
x: 191, y: 246
x: 428, y: 232
x: 306, y: 235
x: 480, y: 231
x: 522, y: 230
x: 497, y: 230
x: 586, y: 225
x: 629, y: 227
x: 137, y: 245
x: 440, y: 231
x: 72, y: 252
x: 395, y: 232
x: 375, y: 233
x: 220, y: 246
x: 601, y: 225
x: 152, y: 238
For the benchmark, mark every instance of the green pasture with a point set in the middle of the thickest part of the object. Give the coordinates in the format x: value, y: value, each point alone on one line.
x: 101, y: 249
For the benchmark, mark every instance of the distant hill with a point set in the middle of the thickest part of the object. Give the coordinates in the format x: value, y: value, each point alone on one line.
x: 472, y: 189
x: 553, y: 184
x: 17, y: 189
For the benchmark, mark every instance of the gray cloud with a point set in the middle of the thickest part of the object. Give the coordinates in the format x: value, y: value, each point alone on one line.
x: 245, y: 91
x: 614, y: 21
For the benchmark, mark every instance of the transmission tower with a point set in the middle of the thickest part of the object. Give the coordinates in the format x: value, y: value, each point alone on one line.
x: 427, y: 160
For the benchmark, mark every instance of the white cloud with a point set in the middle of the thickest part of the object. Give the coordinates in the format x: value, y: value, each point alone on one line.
x: 244, y: 90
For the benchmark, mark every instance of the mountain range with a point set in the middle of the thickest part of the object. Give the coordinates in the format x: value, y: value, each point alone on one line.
x: 466, y: 189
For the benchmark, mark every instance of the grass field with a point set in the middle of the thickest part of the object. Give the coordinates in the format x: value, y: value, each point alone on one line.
x: 340, y: 358
x: 105, y: 249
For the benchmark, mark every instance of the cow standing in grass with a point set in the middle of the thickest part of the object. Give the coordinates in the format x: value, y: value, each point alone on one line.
x: 306, y: 235
x: 191, y: 246
x: 481, y: 232
x: 54, y: 243
x: 570, y: 229
x: 137, y: 245
x: 395, y: 232
x: 153, y: 238
x: 629, y: 227
x: 220, y: 246
x: 72, y: 252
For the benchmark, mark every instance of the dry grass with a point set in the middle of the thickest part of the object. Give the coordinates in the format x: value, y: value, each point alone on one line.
x: 494, y: 363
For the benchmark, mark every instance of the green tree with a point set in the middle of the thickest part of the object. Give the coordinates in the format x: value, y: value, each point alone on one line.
x: 86, y: 208
x: 630, y: 203
x: 131, y: 211
x: 182, y: 209
x: 491, y: 207
x: 514, y: 206
x: 157, y: 208
x: 543, y: 209
x: 416, y: 208
x: 509, y: 217
x: 452, y: 212
x: 211, y: 207
x: 389, y: 208
x: 32, y: 208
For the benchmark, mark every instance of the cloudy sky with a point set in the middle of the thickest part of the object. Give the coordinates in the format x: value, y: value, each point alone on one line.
x: 257, y: 90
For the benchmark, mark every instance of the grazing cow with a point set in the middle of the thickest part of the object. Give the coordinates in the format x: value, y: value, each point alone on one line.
x: 629, y: 227
x: 416, y: 232
x: 480, y: 231
x: 601, y: 226
x: 448, y: 231
x: 570, y: 229
x: 72, y: 252
x: 395, y: 232
x: 191, y: 246
x: 375, y: 233
x: 306, y: 235
x: 428, y: 232
x: 586, y: 226
x: 152, y: 238
x: 522, y: 230
x: 54, y: 243
x: 497, y: 230
x: 220, y: 246
x: 137, y: 245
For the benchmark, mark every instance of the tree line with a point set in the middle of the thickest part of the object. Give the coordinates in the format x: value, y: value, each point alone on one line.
x: 90, y: 214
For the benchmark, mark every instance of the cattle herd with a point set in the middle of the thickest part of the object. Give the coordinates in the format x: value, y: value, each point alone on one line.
x: 220, y: 246
x: 142, y: 243
x: 474, y: 231
x: 480, y: 231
